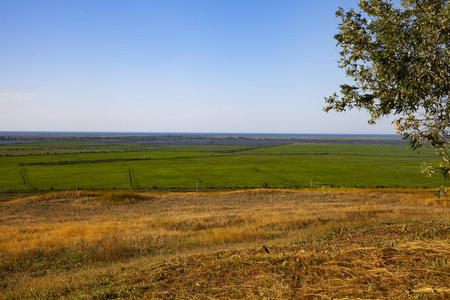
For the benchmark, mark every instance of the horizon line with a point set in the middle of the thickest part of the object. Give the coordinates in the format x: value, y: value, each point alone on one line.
x: 187, y: 133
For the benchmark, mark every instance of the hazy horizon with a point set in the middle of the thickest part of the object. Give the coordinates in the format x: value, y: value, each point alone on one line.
x: 189, y: 133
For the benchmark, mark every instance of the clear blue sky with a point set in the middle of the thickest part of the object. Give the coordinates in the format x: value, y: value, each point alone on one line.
x: 241, y: 66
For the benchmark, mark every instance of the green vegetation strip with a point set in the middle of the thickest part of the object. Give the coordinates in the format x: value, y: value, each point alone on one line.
x: 125, y: 165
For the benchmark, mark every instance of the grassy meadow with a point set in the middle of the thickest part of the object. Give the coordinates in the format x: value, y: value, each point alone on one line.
x: 249, y: 244
x: 92, y: 219
x: 62, y: 165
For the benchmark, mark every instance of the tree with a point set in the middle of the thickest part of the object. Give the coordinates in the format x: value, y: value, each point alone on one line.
x: 398, y: 57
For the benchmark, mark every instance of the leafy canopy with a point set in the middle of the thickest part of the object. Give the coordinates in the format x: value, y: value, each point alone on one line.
x: 398, y: 57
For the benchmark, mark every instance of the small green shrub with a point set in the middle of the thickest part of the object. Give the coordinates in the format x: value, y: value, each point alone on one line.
x: 122, y: 197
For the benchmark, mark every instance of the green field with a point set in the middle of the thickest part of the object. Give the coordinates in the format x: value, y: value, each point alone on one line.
x: 96, y: 164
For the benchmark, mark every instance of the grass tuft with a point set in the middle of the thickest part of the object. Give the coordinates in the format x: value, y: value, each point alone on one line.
x: 122, y: 197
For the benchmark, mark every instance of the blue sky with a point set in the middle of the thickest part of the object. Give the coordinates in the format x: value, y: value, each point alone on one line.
x: 247, y: 66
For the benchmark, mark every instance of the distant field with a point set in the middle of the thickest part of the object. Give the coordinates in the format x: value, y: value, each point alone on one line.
x: 250, y: 244
x: 91, y: 164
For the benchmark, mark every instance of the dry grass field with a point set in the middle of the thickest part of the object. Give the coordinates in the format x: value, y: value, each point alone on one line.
x: 254, y: 244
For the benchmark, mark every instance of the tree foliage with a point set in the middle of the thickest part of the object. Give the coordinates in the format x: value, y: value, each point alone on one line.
x: 398, y: 57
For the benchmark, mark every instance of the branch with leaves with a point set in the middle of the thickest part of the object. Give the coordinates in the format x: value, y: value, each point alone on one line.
x: 399, y: 60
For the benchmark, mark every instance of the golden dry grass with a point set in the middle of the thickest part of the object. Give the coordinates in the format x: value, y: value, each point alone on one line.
x: 345, y: 243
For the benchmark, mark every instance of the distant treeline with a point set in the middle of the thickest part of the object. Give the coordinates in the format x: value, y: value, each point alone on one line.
x: 204, y: 139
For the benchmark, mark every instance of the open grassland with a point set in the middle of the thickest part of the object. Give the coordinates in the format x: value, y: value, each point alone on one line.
x: 96, y: 164
x: 257, y: 244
